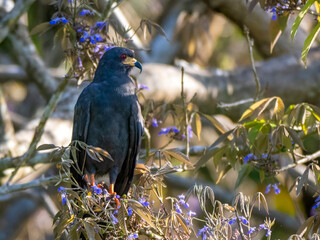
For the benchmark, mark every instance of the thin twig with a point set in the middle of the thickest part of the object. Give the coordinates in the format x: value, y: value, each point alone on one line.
x: 35, y: 183
x: 256, y: 77
x: 185, y: 112
x: 40, y: 128
x: 301, y: 161
x: 235, y: 104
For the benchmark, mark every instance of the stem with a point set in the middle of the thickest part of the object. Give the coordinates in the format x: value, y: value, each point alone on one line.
x: 186, y: 120
x: 256, y: 78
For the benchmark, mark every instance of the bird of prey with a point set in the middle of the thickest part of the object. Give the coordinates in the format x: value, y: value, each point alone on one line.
x: 107, y: 115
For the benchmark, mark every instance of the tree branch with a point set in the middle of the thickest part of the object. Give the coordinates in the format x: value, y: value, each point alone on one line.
x: 25, y: 52
x: 10, y: 19
x: 35, y: 183
x: 40, y: 128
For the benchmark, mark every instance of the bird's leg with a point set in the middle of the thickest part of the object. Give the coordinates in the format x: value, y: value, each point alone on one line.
x: 114, y: 194
x: 92, y: 180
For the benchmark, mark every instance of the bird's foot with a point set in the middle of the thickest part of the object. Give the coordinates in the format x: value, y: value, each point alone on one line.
x: 113, y: 195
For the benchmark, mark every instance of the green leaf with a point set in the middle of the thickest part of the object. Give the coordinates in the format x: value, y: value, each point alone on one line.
x: 141, y: 211
x: 301, y: 15
x: 295, y: 137
x: 215, y: 122
x: 254, y: 108
x: 46, y: 147
x: 253, y: 133
x: 196, y: 124
x: 243, y: 173
x: 303, y: 181
x: 308, y: 43
x: 179, y: 156
x: 276, y: 28
x: 42, y: 27
x: 212, y: 150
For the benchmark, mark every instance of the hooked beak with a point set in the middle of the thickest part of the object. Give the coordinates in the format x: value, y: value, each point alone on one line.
x: 133, y: 62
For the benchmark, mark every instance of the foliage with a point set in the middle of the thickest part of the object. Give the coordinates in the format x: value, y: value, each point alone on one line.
x: 265, y: 131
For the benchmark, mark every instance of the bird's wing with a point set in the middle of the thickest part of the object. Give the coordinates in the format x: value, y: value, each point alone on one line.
x: 127, y: 171
x: 81, y: 123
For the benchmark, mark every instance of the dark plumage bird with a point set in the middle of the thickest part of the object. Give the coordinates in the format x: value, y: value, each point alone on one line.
x: 107, y: 115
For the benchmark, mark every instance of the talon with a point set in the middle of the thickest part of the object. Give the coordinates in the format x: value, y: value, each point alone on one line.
x: 114, y: 194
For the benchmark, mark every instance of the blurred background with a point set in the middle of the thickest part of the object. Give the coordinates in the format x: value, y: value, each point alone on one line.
x: 206, y: 37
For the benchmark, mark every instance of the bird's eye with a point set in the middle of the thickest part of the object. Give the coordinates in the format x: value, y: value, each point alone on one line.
x: 123, y: 56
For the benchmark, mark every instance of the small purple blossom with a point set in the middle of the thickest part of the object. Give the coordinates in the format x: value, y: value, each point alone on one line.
x: 187, y: 221
x: 274, y: 14
x: 190, y: 213
x: 262, y: 226
x: 142, y: 87
x: 80, y: 62
x: 251, y: 230
x: 130, y: 212
x: 97, y: 190
x: 144, y: 202
x: 86, y: 12
x: 168, y: 130
x: 203, y: 231
x: 155, y: 122
x: 115, y: 212
x: 114, y: 219
x: 178, y: 209
x: 60, y: 189
x: 247, y: 158
x: 275, y: 186
x: 63, y: 198
x: 98, y: 38
x: 133, y: 236
x: 190, y: 133
x: 232, y: 221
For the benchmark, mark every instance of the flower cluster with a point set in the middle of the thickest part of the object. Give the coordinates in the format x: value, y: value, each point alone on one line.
x: 86, y: 12
x: 204, y: 232
x: 252, y: 157
x: 93, y: 37
x: 58, y: 20
x: 168, y: 130
x: 242, y: 219
x: 275, y: 186
x: 133, y: 236
x: 156, y: 122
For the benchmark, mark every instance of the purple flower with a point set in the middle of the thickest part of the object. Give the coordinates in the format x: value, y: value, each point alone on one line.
x: 247, y: 158
x: 232, y: 221
x: 142, y: 86
x: 80, y: 62
x: 64, y: 20
x: 268, y: 188
x: 187, y: 221
x: 133, y: 236
x: 274, y: 14
x: 251, y: 230
x: 130, y: 211
x: 276, y: 189
x: 98, y: 38
x: 86, y: 12
x: 63, y: 198
x: 155, y: 122
x: 58, y: 20
x: 115, y: 212
x: 244, y: 220
x: 144, y: 202
x: 106, y: 48
x: 264, y: 155
x: 190, y: 133
x: 60, y: 189
x: 275, y: 186
x: 178, y: 209
x: 262, y: 226
x: 190, y: 213
x: 202, y: 231
x: 92, y: 40
x: 114, y: 219
x: 96, y: 190
x: 168, y: 130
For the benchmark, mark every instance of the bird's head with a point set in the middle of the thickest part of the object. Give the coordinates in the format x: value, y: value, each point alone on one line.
x: 119, y: 59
